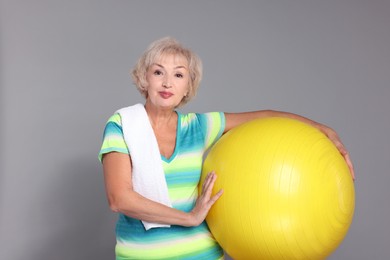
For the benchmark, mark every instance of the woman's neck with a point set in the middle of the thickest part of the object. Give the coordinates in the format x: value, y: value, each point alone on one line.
x: 160, y: 117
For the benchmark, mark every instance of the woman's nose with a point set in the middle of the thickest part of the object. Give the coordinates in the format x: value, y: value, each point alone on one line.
x: 167, y: 82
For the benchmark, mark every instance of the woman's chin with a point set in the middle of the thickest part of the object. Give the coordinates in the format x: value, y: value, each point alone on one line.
x: 165, y: 103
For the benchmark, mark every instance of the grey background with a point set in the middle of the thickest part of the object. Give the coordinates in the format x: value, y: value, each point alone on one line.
x: 64, y: 70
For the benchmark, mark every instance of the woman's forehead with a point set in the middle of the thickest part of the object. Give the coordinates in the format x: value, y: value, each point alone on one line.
x: 176, y: 58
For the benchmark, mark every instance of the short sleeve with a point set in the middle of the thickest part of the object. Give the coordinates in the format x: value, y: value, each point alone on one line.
x: 213, y: 126
x: 113, y: 140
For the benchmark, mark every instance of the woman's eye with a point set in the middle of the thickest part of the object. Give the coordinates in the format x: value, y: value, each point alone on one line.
x: 157, y: 72
x: 179, y: 75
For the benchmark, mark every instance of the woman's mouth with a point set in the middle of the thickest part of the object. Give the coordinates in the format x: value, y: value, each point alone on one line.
x: 165, y: 94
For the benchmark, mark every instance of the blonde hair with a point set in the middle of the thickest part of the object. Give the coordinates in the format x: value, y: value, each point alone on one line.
x: 158, y: 48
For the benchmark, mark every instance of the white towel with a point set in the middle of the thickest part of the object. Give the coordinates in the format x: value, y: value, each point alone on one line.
x: 148, y: 174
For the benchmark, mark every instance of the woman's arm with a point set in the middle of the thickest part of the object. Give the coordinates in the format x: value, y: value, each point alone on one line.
x: 122, y: 198
x: 235, y: 119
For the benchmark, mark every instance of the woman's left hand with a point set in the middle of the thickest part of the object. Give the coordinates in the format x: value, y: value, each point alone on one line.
x: 334, y: 137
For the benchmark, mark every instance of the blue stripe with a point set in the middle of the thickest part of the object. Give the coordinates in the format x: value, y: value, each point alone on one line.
x: 189, y: 176
x: 132, y: 230
x: 112, y: 129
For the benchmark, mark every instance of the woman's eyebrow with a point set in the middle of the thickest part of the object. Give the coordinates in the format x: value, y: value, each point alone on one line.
x: 177, y: 67
x: 180, y: 67
x: 159, y: 65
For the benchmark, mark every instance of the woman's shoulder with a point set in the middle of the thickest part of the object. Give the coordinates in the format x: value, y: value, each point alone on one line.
x: 191, y: 115
x: 115, y: 118
x: 201, y: 118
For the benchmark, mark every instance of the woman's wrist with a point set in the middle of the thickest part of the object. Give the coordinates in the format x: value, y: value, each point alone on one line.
x: 191, y: 219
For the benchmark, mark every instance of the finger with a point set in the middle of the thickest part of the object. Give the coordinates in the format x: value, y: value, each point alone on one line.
x: 350, y: 165
x: 216, y: 197
x: 209, y: 188
x: 208, y: 181
x: 342, y: 149
x: 339, y: 145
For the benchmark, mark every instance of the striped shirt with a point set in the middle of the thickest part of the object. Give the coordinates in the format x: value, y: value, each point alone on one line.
x: 195, y: 134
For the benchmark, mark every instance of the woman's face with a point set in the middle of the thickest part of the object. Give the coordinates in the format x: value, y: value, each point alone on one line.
x: 168, y: 81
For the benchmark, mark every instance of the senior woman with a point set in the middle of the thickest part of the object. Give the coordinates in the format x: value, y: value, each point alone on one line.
x: 168, y: 76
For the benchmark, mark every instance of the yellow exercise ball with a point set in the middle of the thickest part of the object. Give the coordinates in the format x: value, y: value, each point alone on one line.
x: 288, y: 193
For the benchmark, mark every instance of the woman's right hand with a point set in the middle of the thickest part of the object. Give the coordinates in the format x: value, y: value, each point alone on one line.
x: 205, y: 200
